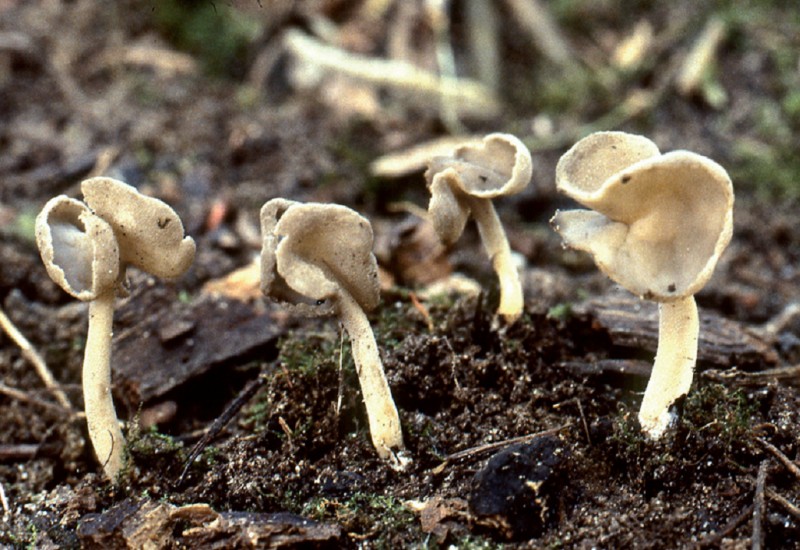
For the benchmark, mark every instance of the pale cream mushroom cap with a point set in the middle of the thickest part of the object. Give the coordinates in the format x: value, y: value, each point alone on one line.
x: 318, y: 258
x: 149, y: 232
x: 499, y: 165
x: 78, y: 248
x: 311, y: 250
x: 658, y: 223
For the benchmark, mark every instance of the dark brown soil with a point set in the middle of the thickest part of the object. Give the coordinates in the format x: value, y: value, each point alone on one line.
x: 523, y: 435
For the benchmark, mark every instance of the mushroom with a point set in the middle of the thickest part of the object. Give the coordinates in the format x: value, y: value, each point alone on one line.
x: 465, y: 183
x: 85, y: 252
x: 657, y: 226
x: 317, y: 258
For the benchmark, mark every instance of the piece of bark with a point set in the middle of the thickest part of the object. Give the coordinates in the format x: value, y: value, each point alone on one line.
x: 633, y: 323
x: 255, y: 530
x: 161, y: 343
x: 609, y: 371
x: 149, y: 524
x: 129, y: 524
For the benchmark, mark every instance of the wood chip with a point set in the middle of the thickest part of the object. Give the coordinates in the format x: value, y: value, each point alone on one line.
x: 161, y: 343
x: 633, y: 323
x: 149, y: 524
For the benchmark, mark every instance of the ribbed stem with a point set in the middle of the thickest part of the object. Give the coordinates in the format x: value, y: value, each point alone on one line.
x: 678, y: 334
x: 384, y: 421
x: 101, y: 417
x: 496, y: 245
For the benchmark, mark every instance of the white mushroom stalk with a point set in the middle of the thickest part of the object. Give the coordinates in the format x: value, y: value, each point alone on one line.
x: 317, y: 258
x: 101, y: 416
x: 657, y: 226
x: 86, y: 252
x: 465, y: 183
x: 384, y: 421
x: 673, y: 369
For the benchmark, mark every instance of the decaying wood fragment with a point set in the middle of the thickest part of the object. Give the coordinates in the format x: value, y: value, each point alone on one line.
x: 161, y: 342
x: 784, y: 375
x: 150, y: 524
x: 632, y: 323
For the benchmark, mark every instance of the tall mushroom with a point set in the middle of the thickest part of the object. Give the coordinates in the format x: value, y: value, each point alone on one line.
x: 86, y: 251
x: 318, y: 259
x: 465, y: 183
x: 657, y: 226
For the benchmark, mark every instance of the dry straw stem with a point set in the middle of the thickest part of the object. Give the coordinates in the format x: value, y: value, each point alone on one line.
x: 30, y: 353
x: 484, y: 41
x: 657, y: 225
x: 463, y: 184
x: 534, y: 19
x: 759, y: 508
x: 413, y: 159
x: 700, y: 57
x: 317, y: 258
x: 466, y: 96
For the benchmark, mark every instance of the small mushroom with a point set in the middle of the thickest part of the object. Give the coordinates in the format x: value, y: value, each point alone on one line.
x: 465, y: 183
x: 318, y: 259
x: 86, y: 253
x: 657, y: 226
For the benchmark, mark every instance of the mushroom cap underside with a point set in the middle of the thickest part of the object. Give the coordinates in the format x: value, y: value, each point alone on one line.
x: 150, y: 233
x: 657, y: 227
x: 77, y: 247
x: 314, y: 251
x: 497, y: 166
x: 583, y: 169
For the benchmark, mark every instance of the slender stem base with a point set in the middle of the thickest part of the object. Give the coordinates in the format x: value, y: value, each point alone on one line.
x: 384, y: 421
x: 678, y: 333
x: 496, y: 245
x: 101, y: 417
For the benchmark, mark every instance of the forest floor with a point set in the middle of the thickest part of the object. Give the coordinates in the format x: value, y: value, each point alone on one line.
x: 245, y: 424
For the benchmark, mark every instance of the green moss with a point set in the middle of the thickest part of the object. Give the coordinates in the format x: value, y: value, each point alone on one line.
x: 772, y: 172
x: 475, y: 542
x: 152, y: 442
x: 719, y: 412
x: 714, y: 426
x: 307, y: 353
x: 560, y: 312
x: 380, y: 516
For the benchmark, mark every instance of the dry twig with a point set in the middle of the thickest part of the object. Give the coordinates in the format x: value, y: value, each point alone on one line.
x: 484, y: 41
x: 236, y: 405
x: 537, y: 22
x: 19, y: 452
x: 788, y: 505
x: 4, y: 500
x: 422, y: 310
x: 759, y: 507
x: 487, y: 447
x: 790, y: 375
x: 30, y: 353
x: 789, y: 464
x: 714, y: 538
x: 20, y: 395
x: 701, y: 57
